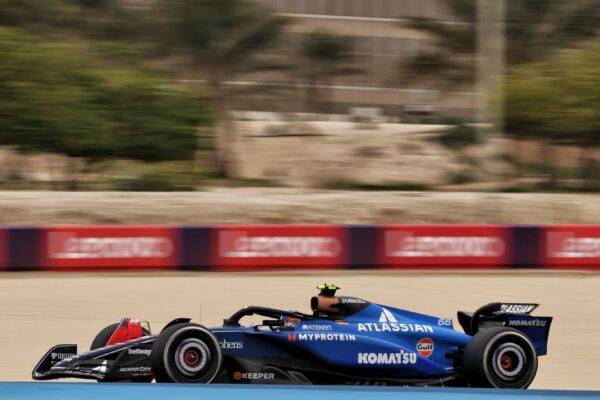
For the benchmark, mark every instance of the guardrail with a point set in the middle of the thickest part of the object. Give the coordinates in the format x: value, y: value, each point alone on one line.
x: 253, y: 247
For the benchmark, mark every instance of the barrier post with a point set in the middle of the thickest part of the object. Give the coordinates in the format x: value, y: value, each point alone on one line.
x: 22, y: 249
x: 196, y: 247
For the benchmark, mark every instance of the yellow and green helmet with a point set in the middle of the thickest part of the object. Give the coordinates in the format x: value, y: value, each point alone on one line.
x: 327, y: 289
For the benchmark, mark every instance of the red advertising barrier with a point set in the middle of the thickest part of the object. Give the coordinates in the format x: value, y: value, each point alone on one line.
x: 470, y: 246
x: 242, y: 247
x: 564, y: 246
x: 82, y: 247
x: 284, y: 247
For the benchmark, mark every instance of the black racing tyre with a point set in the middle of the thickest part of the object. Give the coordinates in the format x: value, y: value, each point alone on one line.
x: 102, y: 337
x: 500, y: 358
x: 186, y: 353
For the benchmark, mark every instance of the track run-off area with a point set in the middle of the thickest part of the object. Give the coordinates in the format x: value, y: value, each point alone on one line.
x: 77, y: 391
x: 39, y: 310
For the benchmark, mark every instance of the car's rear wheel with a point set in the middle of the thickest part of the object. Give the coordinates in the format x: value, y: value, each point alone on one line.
x: 186, y: 353
x: 501, y: 358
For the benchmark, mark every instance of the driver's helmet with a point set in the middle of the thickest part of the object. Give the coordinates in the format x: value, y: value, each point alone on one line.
x: 326, y: 302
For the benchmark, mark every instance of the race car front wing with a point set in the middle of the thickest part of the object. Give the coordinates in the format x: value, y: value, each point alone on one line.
x: 123, y: 361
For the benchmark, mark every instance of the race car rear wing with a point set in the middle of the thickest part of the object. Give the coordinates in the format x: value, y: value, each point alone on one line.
x: 513, y: 315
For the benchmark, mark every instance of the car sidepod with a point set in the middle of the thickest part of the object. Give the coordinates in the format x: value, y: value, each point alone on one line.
x: 377, y: 343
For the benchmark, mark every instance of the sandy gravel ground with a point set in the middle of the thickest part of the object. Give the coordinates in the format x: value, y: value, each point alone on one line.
x: 287, y: 205
x: 39, y: 310
x: 338, y: 150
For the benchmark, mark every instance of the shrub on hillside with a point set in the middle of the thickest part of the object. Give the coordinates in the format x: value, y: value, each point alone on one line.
x: 459, y: 136
x: 64, y: 98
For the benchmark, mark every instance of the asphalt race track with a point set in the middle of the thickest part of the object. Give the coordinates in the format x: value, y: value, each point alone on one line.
x: 38, y: 310
x: 75, y: 391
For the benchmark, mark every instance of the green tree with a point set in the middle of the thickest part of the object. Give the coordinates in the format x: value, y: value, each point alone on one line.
x: 24, y: 12
x: 105, y: 19
x: 96, y: 19
x: 215, y: 41
x: 558, y: 102
x: 324, y: 56
x: 58, y: 98
x: 533, y: 29
x: 219, y: 40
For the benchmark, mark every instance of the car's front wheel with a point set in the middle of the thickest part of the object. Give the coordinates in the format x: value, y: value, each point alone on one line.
x: 186, y: 353
x: 501, y: 358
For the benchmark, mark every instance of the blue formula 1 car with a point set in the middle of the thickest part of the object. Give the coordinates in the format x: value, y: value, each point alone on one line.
x: 346, y: 340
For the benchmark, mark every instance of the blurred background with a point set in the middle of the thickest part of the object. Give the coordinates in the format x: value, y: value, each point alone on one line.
x: 163, y: 95
x: 296, y: 111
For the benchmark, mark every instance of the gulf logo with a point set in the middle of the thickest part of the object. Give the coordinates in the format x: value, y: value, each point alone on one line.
x: 425, y: 347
